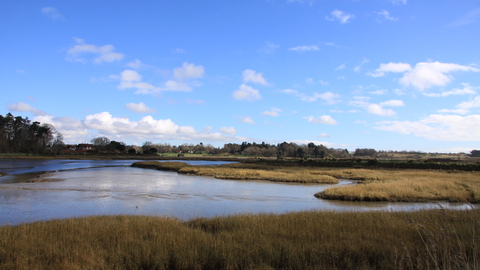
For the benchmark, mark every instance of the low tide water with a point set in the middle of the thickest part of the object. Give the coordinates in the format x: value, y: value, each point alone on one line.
x: 36, y: 190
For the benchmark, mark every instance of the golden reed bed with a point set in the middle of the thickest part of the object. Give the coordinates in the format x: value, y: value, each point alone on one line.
x: 404, y: 185
x: 435, y: 239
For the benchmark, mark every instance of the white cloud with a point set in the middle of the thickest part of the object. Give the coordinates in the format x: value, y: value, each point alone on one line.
x: 24, y: 107
x: 245, y: 92
x: 254, y: 77
x: 104, y: 53
x: 379, y: 92
x: 467, y: 105
x: 272, y: 112
x: 228, y: 130
x: 392, y: 103
x: 340, y: 16
x: 377, y: 109
x: 324, y: 119
x: 52, y: 13
x: 323, y: 82
x: 396, y: 2
x: 457, y: 111
x: 132, y: 79
x: 467, y: 90
x: 328, y: 97
x: 188, y: 71
x: 72, y: 129
x: 247, y: 119
x: 305, y: 48
x: 137, y: 64
x: 424, y: 75
x: 438, y: 127
x: 386, y: 15
x: 323, y: 135
x: 428, y: 74
x: 139, y: 108
x: 390, y: 67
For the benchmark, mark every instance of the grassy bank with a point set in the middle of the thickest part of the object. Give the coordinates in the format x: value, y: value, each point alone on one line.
x: 436, y: 239
x: 405, y: 185
x: 244, y: 171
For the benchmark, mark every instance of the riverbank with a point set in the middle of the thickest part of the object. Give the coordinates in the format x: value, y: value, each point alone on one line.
x: 121, y: 157
x: 393, y: 185
x: 434, y: 239
x: 244, y: 171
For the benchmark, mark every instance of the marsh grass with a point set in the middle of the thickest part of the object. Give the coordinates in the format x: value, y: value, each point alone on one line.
x: 436, y: 239
x: 405, y: 185
x: 408, y: 186
x: 244, y: 172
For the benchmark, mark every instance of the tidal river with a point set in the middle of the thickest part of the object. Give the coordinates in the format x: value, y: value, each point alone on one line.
x: 34, y: 190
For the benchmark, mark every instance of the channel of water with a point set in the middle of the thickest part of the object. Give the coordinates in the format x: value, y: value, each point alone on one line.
x: 36, y: 190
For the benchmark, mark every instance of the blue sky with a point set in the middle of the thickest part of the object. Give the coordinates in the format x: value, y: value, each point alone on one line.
x: 383, y: 74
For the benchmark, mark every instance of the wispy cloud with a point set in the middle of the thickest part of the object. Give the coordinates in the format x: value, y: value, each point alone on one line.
x: 472, y: 16
x: 52, y: 13
x: 304, y: 48
x: 139, y: 108
x: 340, y: 16
x: 324, y: 119
x: 104, y: 53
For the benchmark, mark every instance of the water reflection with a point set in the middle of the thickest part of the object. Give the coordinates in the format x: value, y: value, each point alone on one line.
x: 79, y: 188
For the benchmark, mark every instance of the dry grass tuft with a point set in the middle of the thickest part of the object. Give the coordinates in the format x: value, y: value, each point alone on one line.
x: 436, y: 239
x: 409, y: 186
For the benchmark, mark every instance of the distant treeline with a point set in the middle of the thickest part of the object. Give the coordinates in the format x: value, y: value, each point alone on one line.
x: 20, y: 135
x: 373, y: 163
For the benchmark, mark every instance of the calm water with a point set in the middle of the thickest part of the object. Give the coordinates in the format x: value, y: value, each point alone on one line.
x: 94, y: 187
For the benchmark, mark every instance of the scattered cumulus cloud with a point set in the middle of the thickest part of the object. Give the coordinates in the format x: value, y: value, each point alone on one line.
x: 24, y: 107
x: 386, y: 15
x: 377, y: 109
x: 188, y: 71
x: 247, y: 119
x: 340, y: 16
x: 137, y: 64
x: 245, y: 92
x: 52, y: 13
x: 254, y: 77
x: 438, y: 127
x: 139, y: 108
x: 467, y: 90
x: 272, y: 112
x: 390, y: 67
x: 228, y: 130
x: 132, y: 79
x: 104, y: 53
x: 324, y: 119
x: 424, y: 75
